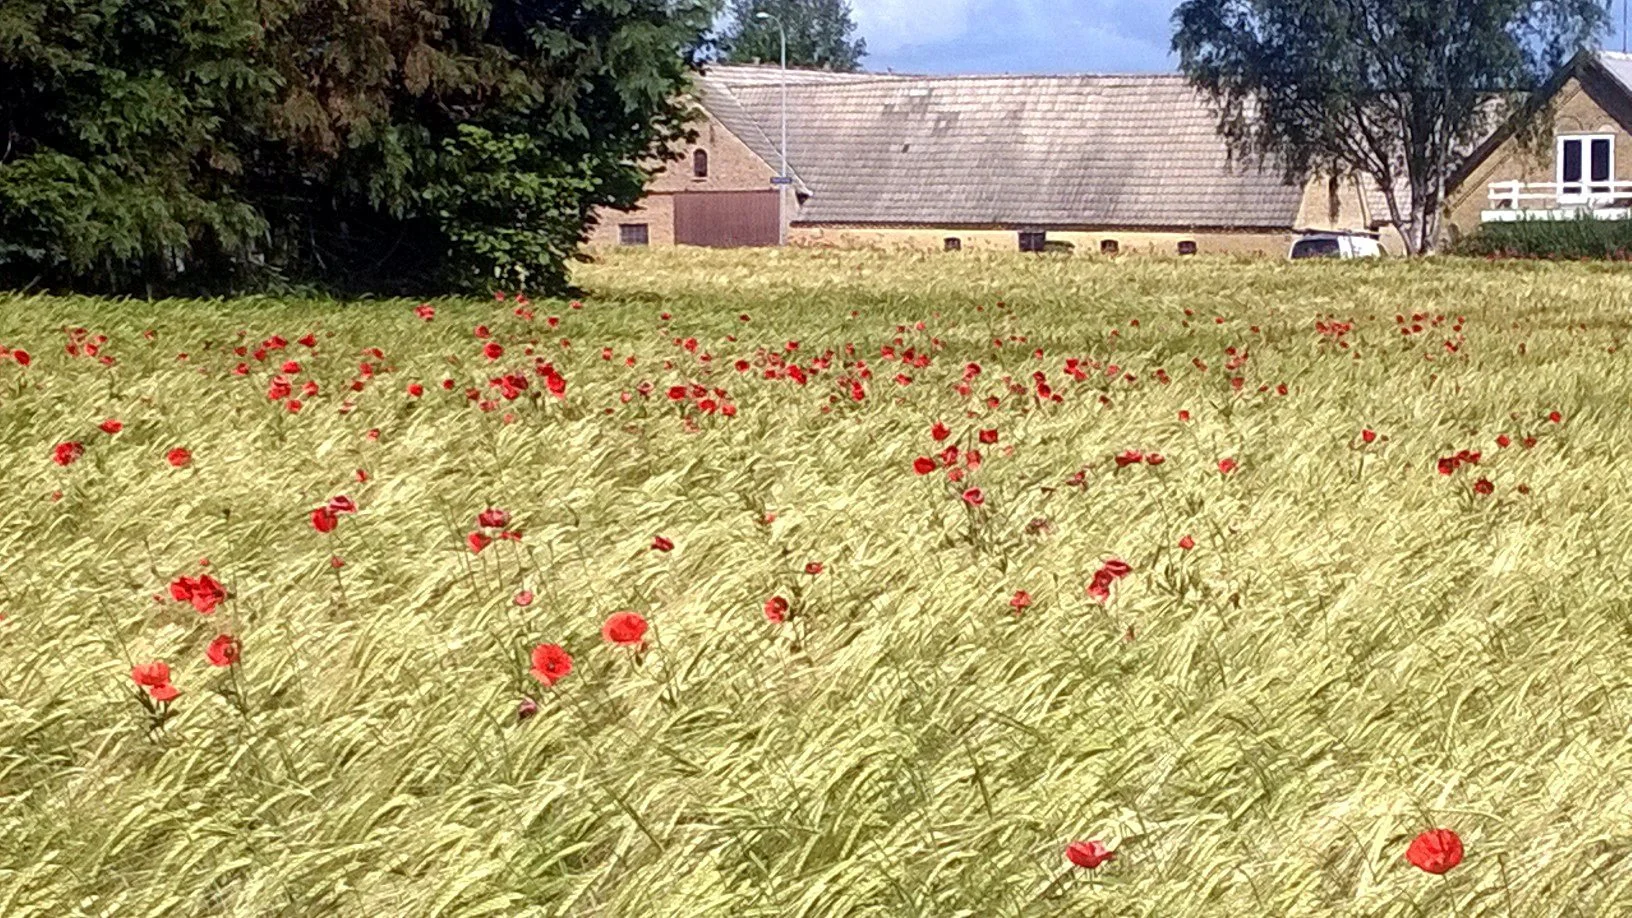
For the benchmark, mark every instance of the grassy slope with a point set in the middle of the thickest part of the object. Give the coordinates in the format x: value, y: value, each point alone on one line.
x: 1357, y: 649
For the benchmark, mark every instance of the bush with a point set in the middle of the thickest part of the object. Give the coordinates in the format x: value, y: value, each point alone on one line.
x: 1583, y: 237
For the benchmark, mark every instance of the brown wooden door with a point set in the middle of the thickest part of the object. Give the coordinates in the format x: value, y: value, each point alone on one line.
x: 727, y: 219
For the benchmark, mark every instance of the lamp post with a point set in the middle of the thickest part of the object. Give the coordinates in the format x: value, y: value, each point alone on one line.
x: 783, y: 183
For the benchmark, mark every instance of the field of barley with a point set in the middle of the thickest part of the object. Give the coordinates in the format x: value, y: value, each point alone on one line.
x: 825, y: 584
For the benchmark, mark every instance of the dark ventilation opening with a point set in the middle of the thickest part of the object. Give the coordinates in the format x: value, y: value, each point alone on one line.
x: 1033, y: 241
x: 634, y: 234
x: 1109, y: 247
x: 954, y: 244
x: 699, y: 164
x: 1187, y: 248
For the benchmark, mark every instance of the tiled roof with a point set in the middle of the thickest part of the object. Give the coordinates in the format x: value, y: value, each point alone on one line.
x: 1126, y: 151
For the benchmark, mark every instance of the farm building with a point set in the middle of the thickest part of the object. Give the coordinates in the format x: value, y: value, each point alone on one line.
x: 1578, y: 164
x: 1105, y: 164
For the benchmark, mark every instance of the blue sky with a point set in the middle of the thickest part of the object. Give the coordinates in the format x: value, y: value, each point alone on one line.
x: 1022, y: 36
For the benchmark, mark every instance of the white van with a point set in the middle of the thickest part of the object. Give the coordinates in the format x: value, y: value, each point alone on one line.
x: 1335, y: 245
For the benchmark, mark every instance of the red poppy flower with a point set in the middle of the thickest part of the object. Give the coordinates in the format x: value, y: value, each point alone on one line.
x: 776, y: 610
x: 223, y: 651
x: 1435, y: 851
x: 151, y: 675
x: 625, y: 628
x: 478, y: 541
x: 425, y: 311
x: 324, y: 519
x: 524, y: 598
x: 1184, y: 415
x: 1504, y: 441
x: 67, y: 453
x: 1130, y: 457
x: 206, y: 594
x: 939, y: 432
x: 492, y: 350
x: 551, y: 662
x: 923, y: 465
x: 1555, y: 417
x: 178, y: 457
x: 164, y: 692
x: 1226, y: 466
x: 974, y: 497
x: 661, y: 544
x: 493, y: 518
x: 1020, y: 600
x: 1089, y: 854
x: 1187, y: 543
x: 415, y: 390
x: 112, y: 426
x: 988, y: 436
x: 813, y: 568
x: 340, y: 503
x: 291, y: 367
x: 1484, y: 486
x: 1099, y: 589
x: 21, y: 356
x: 1368, y: 436
x: 1116, y: 568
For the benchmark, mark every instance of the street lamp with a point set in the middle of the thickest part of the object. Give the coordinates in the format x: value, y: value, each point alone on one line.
x: 782, y: 183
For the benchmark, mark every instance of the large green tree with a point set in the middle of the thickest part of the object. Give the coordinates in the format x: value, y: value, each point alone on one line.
x: 1399, y: 91
x: 820, y: 33
x: 380, y: 145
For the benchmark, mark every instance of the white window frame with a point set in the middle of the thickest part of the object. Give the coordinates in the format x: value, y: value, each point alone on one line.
x: 1583, y: 193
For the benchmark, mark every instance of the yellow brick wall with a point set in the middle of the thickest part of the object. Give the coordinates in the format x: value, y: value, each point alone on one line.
x: 1087, y: 243
x: 1574, y: 112
x: 731, y: 167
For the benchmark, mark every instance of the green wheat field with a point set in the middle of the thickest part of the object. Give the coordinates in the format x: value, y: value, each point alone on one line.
x: 1370, y: 635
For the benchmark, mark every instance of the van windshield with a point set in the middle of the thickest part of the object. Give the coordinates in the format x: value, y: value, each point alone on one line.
x: 1315, y: 248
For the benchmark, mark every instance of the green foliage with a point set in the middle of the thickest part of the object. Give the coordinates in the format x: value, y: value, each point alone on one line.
x: 1396, y: 91
x: 820, y: 34
x: 412, y: 146
x: 1584, y: 237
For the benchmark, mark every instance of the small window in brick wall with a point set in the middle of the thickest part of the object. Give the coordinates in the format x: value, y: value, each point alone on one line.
x: 954, y: 244
x: 1109, y: 247
x: 699, y: 164
x: 1033, y: 241
x: 1187, y: 248
x: 634, y: 234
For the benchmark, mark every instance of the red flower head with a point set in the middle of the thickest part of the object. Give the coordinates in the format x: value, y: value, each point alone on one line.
x: 178, y: 457
x: 1021, y: 600
x: 1131, y: 457
x: 625, y: 628
x: 151, y: 675
x: 1504, y: 441
x: 923, y: 465
x: 1089, y: 854
x: 813, y: 568
x: 550, y: 663
x: 340, y: 503
x: 939, y: 432
x: 1484, y: 487
x: 1435, y: 851
x: 776, y: 610
x: 1555, y: 417
x: 207, y: 593
x: 67, y: 453
x: 1099, y: 589
x: 1117, y: 569
x: 492, y: 350
x: 112, y: 426
x: 524, y: 598
x: 1187, y: 543
x: 425, y: 311
x: 974, y: 497
x: 1226, y: 466
x: 164, y: 692
x: 493, y: 518
x: 478, y: 541
x: 223, y: 651
x: 21, y: 356
x: 415, y: 390
x: 1368, y: 436
x: 661, y: 544
x: 324, y: 519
